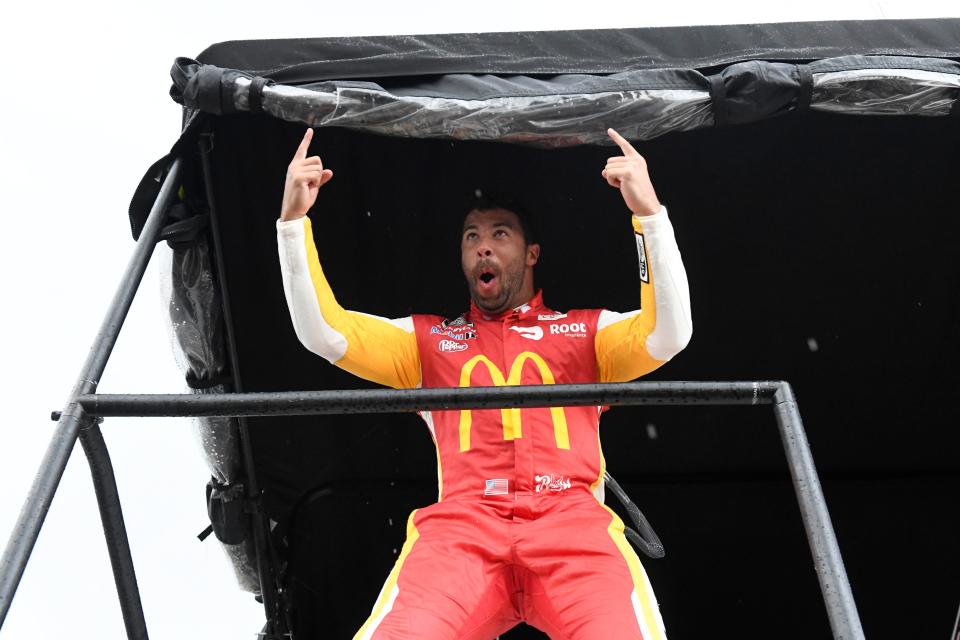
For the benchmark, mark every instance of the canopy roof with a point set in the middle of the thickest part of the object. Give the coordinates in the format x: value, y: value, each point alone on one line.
x: 594, y: 51
x: 552, y: 88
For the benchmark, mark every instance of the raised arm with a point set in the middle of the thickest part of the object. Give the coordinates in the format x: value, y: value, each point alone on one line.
x: 374, y: 348
x: 629, y: 345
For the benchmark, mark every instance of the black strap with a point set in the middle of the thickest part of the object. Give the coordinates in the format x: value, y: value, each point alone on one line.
x: 718, y: 98
x: 805, y: 93
x: 955, y: 110
x: 185, y: 231
x: 646, y: 539
x: 209, y: 382
x: 226, y: 94
x: 146, y: 194
x: 208, y: 92
x: 255, y: 94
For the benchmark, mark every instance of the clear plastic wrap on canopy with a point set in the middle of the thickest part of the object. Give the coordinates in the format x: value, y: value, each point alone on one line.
x: 576, y: 109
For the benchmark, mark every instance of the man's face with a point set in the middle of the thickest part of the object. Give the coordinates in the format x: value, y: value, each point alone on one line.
x: 497, y: 261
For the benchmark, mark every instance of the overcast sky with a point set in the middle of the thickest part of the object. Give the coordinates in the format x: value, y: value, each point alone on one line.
x: 85, y: 112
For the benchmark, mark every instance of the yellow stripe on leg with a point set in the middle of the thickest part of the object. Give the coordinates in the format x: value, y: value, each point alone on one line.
x: 641, y: 586
x: 390, y: 589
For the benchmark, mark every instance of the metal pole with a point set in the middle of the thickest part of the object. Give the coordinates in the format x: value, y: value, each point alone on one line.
x: 401, y: 400
x: 115, y: 532
x: 841, y: 609
x: 35, y: 507
x: 955, y: 635
x: 266, y: 562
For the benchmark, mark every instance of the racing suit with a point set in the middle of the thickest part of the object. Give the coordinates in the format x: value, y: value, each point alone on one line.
x: 519, y: 531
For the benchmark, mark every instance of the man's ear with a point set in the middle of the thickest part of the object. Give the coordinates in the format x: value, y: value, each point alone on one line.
x: 533, y: 254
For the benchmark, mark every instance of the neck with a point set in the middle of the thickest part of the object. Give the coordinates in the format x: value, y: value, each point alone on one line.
x: 525, y: 293
x: 515, y: 302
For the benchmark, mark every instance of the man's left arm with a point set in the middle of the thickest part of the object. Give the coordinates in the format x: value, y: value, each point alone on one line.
x: 629, y: 345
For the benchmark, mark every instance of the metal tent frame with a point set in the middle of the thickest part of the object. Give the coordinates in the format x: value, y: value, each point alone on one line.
x: 85, y: 408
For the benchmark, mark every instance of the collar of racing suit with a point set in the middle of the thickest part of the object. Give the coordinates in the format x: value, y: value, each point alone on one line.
x: 534, y: 305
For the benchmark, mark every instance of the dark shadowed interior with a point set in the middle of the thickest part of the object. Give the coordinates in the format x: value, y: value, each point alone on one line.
x: 821, y: 249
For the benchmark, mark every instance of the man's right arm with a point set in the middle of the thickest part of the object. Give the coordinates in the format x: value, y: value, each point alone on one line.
x: 374, y: 348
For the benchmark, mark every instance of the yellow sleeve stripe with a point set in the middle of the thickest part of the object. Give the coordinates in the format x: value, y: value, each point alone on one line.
x: 648, y: 301
x: 621, y: 338
x: 374, y: 348
x: 629, y: 345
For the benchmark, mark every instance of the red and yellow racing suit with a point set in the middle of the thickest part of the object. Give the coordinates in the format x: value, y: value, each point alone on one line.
x: 519, y: 531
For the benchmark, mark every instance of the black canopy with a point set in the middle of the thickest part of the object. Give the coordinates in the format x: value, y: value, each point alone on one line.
x: 594, y: 51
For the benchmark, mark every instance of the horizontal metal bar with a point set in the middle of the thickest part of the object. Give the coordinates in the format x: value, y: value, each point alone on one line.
x: 403, y: 400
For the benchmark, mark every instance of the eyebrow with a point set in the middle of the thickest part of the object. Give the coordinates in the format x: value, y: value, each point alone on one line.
x: 506, y: 224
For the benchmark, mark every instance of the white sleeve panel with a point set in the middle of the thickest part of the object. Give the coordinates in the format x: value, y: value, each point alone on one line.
x: 674, y: 325
x: 659, y: 255
x: 608, y: 317
x: 312, y: 329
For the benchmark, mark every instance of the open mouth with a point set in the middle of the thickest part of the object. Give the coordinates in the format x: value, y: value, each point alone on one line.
x: 486, y: 279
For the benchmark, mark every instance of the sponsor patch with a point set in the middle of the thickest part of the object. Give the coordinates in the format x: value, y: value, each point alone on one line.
x: 448, y: 346
x: 642, y: 253
x: 570, y: 329
x: 532, y: 333
x: 551, y: 316
x: 551, y: 482
x: 450, y: 333
x: 457, y: 322
x: 456, y: 329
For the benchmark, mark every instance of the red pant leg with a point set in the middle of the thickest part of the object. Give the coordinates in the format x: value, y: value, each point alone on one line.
x: 452, y: 579
x: 586, y: 582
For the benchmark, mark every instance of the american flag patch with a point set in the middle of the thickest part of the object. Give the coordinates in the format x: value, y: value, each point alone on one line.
x: 496, y: 487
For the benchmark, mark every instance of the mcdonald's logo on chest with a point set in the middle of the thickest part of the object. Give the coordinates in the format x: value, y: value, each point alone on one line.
x: 511, y: 418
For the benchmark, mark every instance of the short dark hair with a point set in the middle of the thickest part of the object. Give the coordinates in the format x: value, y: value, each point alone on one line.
x: 490, y: 200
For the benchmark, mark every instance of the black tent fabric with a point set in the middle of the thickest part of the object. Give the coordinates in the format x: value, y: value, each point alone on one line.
x: 594, y: 51
x: 551, y: 88
x: 820, y: 247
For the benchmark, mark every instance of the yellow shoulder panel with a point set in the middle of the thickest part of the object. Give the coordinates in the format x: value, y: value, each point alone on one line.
x: 377, y: 349
x: 620, y: 342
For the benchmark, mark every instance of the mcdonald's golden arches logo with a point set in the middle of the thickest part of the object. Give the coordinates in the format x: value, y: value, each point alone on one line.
x: 511, y: 417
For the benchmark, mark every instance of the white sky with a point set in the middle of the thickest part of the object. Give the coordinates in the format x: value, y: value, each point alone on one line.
x: 85, y: 110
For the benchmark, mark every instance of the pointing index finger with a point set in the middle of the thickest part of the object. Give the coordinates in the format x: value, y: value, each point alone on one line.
x: 625, y: 146
x: 304, y: 145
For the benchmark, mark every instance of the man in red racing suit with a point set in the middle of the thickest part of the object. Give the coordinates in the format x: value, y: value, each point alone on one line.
x: 519, y: 531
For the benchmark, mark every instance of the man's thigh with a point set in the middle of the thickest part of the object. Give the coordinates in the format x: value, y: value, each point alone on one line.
x: 586, y: 580
x: 449, y: 580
